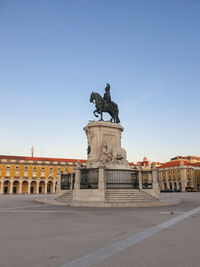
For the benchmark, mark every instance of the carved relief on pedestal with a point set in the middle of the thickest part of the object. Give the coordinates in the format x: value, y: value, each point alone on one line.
x: 90, y: 136
x: 112, y: 154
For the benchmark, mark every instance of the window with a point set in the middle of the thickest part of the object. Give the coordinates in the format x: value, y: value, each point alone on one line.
x: 34, y: 171
x: 50, y: 171
x: 174, y: 175
x: 8, y: 170
x: 169, y: 173
x: 17, y: 171
x: 25, y: 171
x: 42, y: 171
x: 179, y: 176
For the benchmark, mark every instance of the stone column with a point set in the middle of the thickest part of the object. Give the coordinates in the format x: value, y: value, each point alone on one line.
x: 37, y: 187
x: 11, y: 187
x: 54, y: 187
x: 58, y: 189
x: 156, y: 189
x: 160, y: 182
x: 20, y: 187
x: 183, y: 176
x: 71, y: 179
x: 102, y: 182
x: 45, y: 187
x: 77, y: 178
x: 167, y: 182
x: 140, y: 176
x: 1, y: 188
x: 192, y: 178
x: 29, y: 187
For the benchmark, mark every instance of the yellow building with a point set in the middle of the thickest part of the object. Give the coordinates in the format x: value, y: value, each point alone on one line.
x: 38, y: 175
x: 32, y: 175
x: 146, y: 168
x: 176, y: 175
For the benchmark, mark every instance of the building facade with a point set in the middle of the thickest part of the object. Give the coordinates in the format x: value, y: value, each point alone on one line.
x: 32, y: 175
x: 38, y: 175
x: 176, y: 175
x: 146, y: 168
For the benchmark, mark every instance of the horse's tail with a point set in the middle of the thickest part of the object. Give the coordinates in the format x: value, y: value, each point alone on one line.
x: 115, y: 106
x: 116, y: 110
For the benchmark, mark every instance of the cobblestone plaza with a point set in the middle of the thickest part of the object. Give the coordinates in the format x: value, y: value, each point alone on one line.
x: 35, y: 235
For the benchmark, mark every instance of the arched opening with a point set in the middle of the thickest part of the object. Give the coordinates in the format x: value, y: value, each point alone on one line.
x: 50, y: 187
x: 24, y: 187
x: 180, y: 186
x: 165, y: 185
x: 188, y: 183
x: 42, y: 187
x: 16, y: 187
x: 6, y: 187
x: 170, y: 186
x: 33, y: 187
x: 55, y: 187
x: 175, y: 186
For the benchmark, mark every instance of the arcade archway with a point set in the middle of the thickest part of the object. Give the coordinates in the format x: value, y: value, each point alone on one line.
x: 42, y: 187
x: 50, y: 187
x: 24, y: 187
x: 6, y: 187
x: 33, y: 189
x: 16, y: 187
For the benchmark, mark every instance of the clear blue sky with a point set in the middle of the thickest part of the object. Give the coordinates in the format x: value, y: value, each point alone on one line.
x: 54, y: 53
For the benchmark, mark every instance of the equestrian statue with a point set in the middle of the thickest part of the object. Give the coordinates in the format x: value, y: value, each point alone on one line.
x: 105, y: 105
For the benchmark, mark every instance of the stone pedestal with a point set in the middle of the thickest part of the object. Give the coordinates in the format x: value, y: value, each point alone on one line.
x: 104, y: 153
x: 156, y: 188
x: 104, y: 146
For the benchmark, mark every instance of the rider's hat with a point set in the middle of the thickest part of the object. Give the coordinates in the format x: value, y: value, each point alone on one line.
x: 107, y: 87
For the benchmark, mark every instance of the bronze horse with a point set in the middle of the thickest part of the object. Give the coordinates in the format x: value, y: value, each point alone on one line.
x: 112, y: 108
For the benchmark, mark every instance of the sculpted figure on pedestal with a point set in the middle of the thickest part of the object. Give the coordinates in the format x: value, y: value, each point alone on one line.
x: 90, y: 136
x: 107, y: 153
x: 105, y: 105
x: 110, y: 154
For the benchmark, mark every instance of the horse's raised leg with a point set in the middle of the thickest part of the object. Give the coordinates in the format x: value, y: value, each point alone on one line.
x: 101, y: 115
x: 94, y: 112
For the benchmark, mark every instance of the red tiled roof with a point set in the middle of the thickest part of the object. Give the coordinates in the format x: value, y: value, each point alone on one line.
x: 170, y: 164
x: 197, y: 164
x: 177, y: 163
x: 46, y: 159
x: 41, y: 159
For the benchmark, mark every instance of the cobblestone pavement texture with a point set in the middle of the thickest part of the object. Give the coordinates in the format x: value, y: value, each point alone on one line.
x: 34, y: 234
